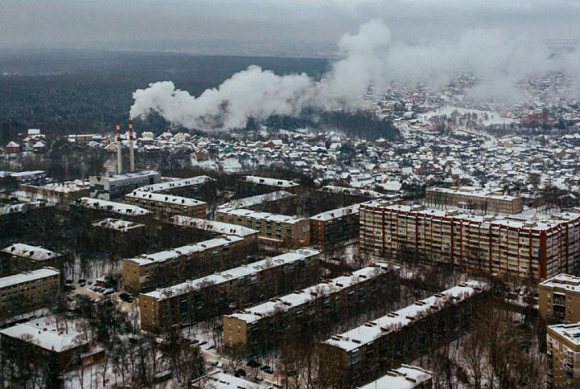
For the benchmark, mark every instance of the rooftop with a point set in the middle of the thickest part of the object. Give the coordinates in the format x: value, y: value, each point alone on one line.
x: 337, y: 213
x: 271, y: 182
x: 27, y: 277
x: 563, y: 281
x: 212, y: 226
x: 179, y: 183
x: 262, y: 215
x: 571, y: 332
x: 221, y: 380
x: 44, y: 333
x: 111, y: 206
x: 163, y: 198
x: 259, y: 199
x: 28, y: 251
x: 405, y: 377
x: 117, y: 224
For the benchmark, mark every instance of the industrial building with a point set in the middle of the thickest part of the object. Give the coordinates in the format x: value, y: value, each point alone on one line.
x: 259, y: 329
x: 365, y: 353
x: 467, y: 197
x: 116, y: 186
x: 164, y: 268
x: 164, y: 206
x: 534, y: 246
x: 221, y: 293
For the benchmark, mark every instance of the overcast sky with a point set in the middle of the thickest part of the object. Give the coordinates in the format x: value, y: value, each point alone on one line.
x: 77, y: 23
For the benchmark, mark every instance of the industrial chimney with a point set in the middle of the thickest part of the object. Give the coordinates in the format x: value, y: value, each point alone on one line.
x: 119, y: 154
x: 131, y: 147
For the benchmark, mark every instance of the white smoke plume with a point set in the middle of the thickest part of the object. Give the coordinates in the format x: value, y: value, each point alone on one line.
x: 367, y: 58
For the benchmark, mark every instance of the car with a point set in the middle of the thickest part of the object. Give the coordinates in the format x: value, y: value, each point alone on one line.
x: 82, y: 280
x: 109, y: 291
x: 82, y: 283
x: 210, y: 347
x: 69, y: 282
x: 264, y: 367
x: 202, y: 343
x: 241, y: 372
x: 269, y: 370
x: 253, y: 363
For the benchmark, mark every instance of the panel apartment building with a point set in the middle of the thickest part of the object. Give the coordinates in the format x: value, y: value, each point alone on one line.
x: 559, y: 299
x: 563, y: 348
x: 468, y: 197
x: 29, y: 290
x: 149, y: 271
x: 365, y: 353
x: 164, y: 206
x: 533, y: 247
x: 274, y: 230
x: 338, y: 226
x: 261, y: 328
x: 21, y: 257
x: 405, y: 377
x: 221, y: 293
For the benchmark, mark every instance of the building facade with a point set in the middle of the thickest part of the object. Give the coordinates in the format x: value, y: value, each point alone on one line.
x: 21, y: 257
x: 27, y: 291
x: 535, y: 247
x: 563, y: 348
x: 221, y: 293
x: 365, y: 353
x: 338, y: 226
x: 164, y: 268
x: 467, y: 197
x: 260, y: 329
x: 274, y: 230
x: 165, y: 206
x: 559, y: 299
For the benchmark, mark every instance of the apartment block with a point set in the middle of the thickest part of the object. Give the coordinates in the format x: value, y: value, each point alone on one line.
x: 405, y: 377
x: 221, y: 293
x: 274, y: 230
x: 165, y: 206
x: 365, y: 353
x: 534, y: 246
x: 108, y: 188
x: 220, y: 380
x: 559, y: 299
x: 29, y: 290
x: 467, y: 197
x: 21, y: 257
x: 260, y: 329
x: 563, y: 348
x: 338, y: 226
x: 164, y: 268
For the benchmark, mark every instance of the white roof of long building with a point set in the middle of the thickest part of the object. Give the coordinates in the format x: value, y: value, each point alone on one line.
x: 570, y: 332
x: 164, y: 198
x: 27, y: 277
x: 405, y: 377
x: 259, y: 199
x: 180, y: 183
x: 235, y: 273
x: 111, y: 206
x: 212, y: 226
x: 162, y: 256
x: 28, y: 251
x: 221, y: 380
x: 271, y: 182
x: 374, y: 329
x: 337, y: 213
x: 475, y: 192
x: 563, y: 281
x: 117, y: 224
x: 300, y: 297
x: 262, y: 215
x: 46, y: 336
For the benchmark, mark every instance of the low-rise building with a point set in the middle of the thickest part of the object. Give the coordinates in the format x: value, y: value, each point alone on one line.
x: 57, y: 193
x: 112, y: 207
x: 467, y: 197
x: 23, y: 292
x: 219, y: 380
x: 21, y: 257
x: 164, y: 268
x: 559, y: 299
x: 165, y: 206
x: 260, y: 328
x: 116, y: 186
x: 274, y: 230
x: 563, y: 348
x: 338, y: 226
x: 176, y: 184
x: 221, y: 293
x: 273, y: 182
x: 405, y: 377
x: 365, y: 353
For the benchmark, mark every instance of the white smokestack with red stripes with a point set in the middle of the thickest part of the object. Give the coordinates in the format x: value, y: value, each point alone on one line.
x: 119, y: 154
x: 131, y: 148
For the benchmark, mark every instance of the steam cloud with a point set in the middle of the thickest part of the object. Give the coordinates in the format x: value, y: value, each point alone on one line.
x: 368, y: 58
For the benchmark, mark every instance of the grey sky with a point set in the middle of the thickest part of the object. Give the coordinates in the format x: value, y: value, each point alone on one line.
x: 83, y: 23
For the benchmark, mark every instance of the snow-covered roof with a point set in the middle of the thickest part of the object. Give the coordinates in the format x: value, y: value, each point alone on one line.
x: 212, y: 226
x: 405, y: 377
x: 271, y: 182
x: 111, y: 206
x: 117, y: 224
x: 179, y: 183
x: 27, y: 277
x: 164, y: 198
x: 374, y: 329
x: 45, y: 335
x: 32, y: 252
x: 337, y: 213
x: 564, y: 282
x: 235, y: 273
x: 262, y: 215
x: 221, y: 380
x: 570, y: 332
x: 259, y: 199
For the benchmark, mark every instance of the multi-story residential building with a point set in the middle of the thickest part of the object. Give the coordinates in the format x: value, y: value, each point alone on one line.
x: 57, y: 193
x: 260, y: 328
x: 29, y: 290
x: 221, y: 293
x: 219, y: 380
x: 405, y: 377
x: 467, y: 197
x: 165, y: 206
x: 176, y: 184
x: 106, y: 206
x: 107, y: 188
x: 365, y: 353
x: 274, y: 230
x: 559, y: 299
x: 215, y: 227
x: 164, y: 268
x: 337, y: 226
x: 533, y: 247
x: 563, y: 348
x: 273, y: 182
x: 23, y: 257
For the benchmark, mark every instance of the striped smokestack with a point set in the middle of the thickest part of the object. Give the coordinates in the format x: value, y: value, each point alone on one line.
x: 119, y: 154
x: 131, y: 147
